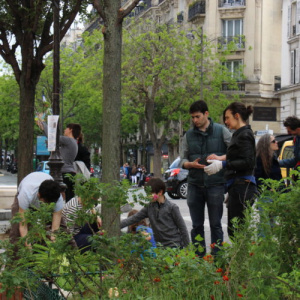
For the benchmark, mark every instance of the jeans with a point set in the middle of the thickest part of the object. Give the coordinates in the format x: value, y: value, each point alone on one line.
x: 213, y: 196
x: 83, y: 238
x: 240, y: 194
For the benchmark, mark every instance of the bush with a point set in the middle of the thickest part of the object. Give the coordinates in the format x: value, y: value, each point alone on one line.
x: 252, y: 266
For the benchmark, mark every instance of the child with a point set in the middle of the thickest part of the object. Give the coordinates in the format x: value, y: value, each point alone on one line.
x: 166, y: 221
x: 141, y: 227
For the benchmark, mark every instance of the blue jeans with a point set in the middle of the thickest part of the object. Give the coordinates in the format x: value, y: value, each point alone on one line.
x: 83, y: 238
x: 196, y: 198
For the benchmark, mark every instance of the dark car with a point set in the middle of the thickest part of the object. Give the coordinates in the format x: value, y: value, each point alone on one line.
x: 175, y: 179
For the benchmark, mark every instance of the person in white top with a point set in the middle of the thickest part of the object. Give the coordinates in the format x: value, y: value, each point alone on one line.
x: 35, y: 188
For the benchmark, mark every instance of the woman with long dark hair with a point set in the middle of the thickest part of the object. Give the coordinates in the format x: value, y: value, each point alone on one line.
x: 267, y: 165
x: 240, y: 163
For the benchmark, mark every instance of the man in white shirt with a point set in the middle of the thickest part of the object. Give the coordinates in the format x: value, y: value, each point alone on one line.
x: 35, y: 188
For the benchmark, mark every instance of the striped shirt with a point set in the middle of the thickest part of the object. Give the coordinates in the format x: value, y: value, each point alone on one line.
x: 69, y: 214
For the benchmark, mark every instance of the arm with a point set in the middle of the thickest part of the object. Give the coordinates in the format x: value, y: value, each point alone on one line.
x: 142, y: 214
x: 226, y: 139
x: 23, y: 225
x: 185, y: 163
x: 177, y: 217
x: 56, y: 219
x: 246, y: 159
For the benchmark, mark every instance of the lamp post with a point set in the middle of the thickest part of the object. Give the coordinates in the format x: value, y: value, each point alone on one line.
x: 55, y: 161
x: 190, y: 35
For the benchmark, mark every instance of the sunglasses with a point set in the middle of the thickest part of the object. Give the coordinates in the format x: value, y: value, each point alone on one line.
x: 274, y: 142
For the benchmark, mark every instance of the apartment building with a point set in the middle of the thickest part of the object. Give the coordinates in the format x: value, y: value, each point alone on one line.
x: 290, y: 60
x: 255, y: 25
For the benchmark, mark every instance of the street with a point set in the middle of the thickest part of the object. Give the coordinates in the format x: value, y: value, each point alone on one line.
x: 8, y: 179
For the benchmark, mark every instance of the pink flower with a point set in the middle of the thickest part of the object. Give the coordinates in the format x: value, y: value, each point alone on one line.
x: 155, y: 197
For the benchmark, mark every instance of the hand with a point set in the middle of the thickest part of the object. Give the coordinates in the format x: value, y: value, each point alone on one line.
x: 99, y: 221
x: 214, y: 167
x: 194, y: 164
x: 216, y: 157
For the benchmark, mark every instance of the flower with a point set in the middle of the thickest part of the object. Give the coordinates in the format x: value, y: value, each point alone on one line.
x: 157, y: 279
x: 113, y: 292
x: 239, y: 295
x: 219, y: 270
x: 176, y: 263
x: 209, y: 258
x: 166, y: 267
x: 217, y: 282
x: 124, y: 291
x: 251, y: 253
x: 212, y: 246
x: 225, y: 278
x: 155, y: 197
x: 212, y: 297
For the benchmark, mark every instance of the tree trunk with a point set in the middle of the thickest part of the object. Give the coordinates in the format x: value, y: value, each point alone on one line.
x: 112, y: 32
x: 25, y: 154
x: 157, y: 159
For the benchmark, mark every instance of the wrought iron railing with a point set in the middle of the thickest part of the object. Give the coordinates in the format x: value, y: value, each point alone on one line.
x: 230, y: 87
x: 196, y: 8
x: 238, y: 40
x: 231, y: 3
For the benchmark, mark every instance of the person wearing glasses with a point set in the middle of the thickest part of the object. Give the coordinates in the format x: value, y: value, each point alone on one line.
x: 267, y: 165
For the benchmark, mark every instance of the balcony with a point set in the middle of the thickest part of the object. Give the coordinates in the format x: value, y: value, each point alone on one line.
x: 180, y: 17
x: 238, y: 41
x: 196, y: 10
x: 231, y: 3
x: 142, y: 6
x: 229, y: 87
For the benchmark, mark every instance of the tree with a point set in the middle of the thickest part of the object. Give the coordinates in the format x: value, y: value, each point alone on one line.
x: 25, y: 26
x: 112, y: 14
x: 9, y: 113
x: 163, y: 80
x: 81, y: 90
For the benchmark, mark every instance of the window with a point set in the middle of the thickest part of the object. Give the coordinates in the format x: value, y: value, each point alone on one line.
x: 293, y: 19
x: 233, y: 2
x: 295, y: 66
x: 293, y: 108
x: 235, y: 68
x: 232, y: 27
x: 232, y: 31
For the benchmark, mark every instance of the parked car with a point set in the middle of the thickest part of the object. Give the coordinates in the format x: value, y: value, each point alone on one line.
x: 286, y: 151
x: 95, y: 171
x: 43, y: 167
x: 175, y: 179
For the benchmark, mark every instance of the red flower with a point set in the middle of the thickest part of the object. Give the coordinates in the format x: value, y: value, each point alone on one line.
x: 239, y: 295
x: 251, y: 253
x: 209, y: 258
x: 219, y: 270
x: 212, y: 297
x: 217, y: 282
x: 166, y: 267
x: 225, y: 278
x: 212, y: 246
x: 177, y: 263
x: 157, y: 279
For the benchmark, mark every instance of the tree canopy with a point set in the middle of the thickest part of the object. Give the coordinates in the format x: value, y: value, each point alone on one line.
x: 26, y: 36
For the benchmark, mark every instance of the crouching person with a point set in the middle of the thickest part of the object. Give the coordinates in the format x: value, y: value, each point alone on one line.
x: 166, y: 221
x: 82, y: 219
x: 35, y: 188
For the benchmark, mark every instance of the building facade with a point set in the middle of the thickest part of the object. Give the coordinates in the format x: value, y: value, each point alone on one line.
x: 290, y: 60
x: 254, y: 25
